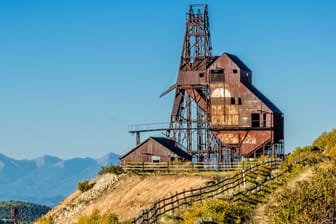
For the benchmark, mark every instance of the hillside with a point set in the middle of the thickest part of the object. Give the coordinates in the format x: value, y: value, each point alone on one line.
x: 28, y: 212
x: 52, y: 177
x: 124, y: 195
x: 302, y: 190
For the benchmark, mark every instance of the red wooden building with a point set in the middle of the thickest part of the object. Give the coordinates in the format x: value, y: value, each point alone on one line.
x: 155, y: 149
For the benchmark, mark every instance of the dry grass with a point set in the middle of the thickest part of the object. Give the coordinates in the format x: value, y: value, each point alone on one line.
x: 129, y: 196
x: 132, y: 193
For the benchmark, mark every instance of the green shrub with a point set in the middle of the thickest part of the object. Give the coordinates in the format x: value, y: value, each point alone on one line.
x: 84, y: 186
x: 110, y: 169
x: 218, y: 211
x: 303, y: 156
x: 327, y: 142
x: 311, y: 201
x: 97, y: 218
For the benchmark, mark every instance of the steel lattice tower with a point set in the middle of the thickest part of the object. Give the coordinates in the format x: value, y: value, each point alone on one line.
x: 190, y: 119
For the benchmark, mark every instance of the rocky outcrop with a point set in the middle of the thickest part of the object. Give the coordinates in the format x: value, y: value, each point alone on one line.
x: 80, y: 200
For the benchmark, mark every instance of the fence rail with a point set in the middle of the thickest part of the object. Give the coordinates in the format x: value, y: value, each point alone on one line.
x: 187, y: 167
x: 231, y: 186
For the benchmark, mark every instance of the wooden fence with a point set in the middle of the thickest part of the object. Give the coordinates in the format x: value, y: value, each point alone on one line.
x: 230, y: 186
x: 171, y: 167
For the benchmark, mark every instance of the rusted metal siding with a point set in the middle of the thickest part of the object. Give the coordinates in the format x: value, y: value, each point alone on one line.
x: 147, y: 152
x: 244, y: 121
x: 191, y: 78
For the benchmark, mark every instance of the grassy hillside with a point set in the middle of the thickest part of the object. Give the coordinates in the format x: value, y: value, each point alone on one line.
x: 313, y: 199
x: 303, y: 191
x: 28, y: 212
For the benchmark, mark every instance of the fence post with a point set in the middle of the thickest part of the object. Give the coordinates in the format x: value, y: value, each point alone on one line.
x: 244, y: 181
x: 141, y: 216
x: 154, y: 213
x: 146, y: 216
x: 172, y: 203
x: 177, y: 200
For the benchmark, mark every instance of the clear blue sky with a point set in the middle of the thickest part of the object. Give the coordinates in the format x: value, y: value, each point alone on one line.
x: 75, y: 74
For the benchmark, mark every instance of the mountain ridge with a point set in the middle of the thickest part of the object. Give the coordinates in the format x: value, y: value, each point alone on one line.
x: 47, y: 179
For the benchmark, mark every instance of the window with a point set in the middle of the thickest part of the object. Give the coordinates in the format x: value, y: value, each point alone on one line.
x: 201, y: 75
x: 155, y: 159
x: 264, y: 120
x: 233, y: 100
x: 240, y: 101
x: 217, y: 71
x: 255, y: 120
x: 235, y: 71
x: 217, y: 75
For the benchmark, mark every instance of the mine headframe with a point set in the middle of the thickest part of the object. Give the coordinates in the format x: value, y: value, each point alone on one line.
x: 189, y: 123
x: 217, y: 112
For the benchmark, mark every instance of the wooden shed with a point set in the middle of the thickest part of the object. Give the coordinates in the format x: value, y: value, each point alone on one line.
x: 155, y: 149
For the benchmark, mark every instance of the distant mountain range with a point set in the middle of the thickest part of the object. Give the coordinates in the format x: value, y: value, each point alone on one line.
x: 47, y: 179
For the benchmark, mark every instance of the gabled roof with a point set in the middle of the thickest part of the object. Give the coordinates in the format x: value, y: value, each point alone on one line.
x: 253, y: 89
x: 263, y: 98
x: 167, y: 143
x: 172, y: 146
x: 238, y: 62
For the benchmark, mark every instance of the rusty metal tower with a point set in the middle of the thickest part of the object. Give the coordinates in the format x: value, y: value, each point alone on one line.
x: 189, y: 123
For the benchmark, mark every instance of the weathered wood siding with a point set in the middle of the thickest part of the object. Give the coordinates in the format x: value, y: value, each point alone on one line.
x: 149, y: 151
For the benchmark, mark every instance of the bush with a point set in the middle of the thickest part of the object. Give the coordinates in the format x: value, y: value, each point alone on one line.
x: 310, y: 201
x: 327, y: 142
x: 110, y: 169
x: 97, y: 218
x: 302, y: 156
x: 84, y: 186
x: 218, y: 211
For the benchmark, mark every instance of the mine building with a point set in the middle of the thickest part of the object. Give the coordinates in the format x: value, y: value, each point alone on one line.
x: 217, y: 112
x: 240, y: 115
x: 155, y: 149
